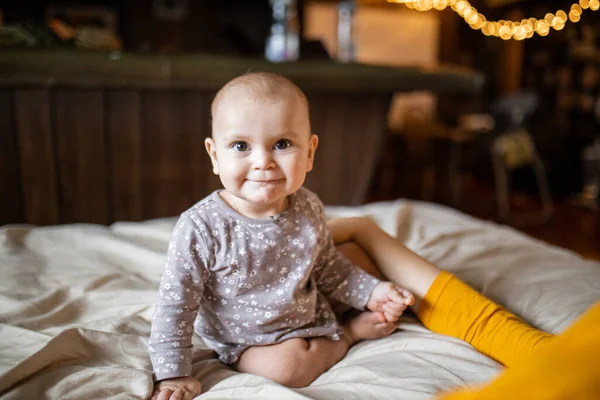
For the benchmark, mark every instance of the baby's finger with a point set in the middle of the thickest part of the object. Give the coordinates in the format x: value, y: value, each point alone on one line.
x: 402, y: 296
x: 399, y: 307
x: 395, y: 295
x: 177, y: 395
x: 379, y: 316
x: 386, y: 327
x: 409, y: 298
x: 395, y: 314
x: 393, y: 308
x: 390, y: 317
x: 165, y: 394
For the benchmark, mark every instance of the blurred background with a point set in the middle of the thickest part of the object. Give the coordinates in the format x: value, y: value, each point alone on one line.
x: 488, y: 106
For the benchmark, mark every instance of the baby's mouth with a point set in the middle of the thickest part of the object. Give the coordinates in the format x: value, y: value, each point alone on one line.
x: 266, y: 180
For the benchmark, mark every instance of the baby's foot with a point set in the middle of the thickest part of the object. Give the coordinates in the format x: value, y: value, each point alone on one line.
x: 367, y: 325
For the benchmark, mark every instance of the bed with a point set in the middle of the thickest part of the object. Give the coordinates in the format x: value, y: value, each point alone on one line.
x: 76, y: 299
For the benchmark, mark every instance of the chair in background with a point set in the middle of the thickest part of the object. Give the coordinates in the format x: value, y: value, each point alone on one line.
x: 513, y: 148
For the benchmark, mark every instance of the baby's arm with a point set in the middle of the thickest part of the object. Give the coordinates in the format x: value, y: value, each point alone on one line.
x: 334, y: 274
x: 175, y: 309
x: 384, y: 297
x: 392, y: 258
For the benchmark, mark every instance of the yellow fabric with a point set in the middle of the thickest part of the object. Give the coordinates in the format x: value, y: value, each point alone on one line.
x: 453, y: 308
x: 567, y: 368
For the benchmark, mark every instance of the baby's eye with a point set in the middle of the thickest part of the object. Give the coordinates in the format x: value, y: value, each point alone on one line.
x: 240, y: 146
x: 282, y: 144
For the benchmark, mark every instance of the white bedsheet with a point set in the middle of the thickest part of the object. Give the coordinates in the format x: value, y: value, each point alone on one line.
x: 75, y: 304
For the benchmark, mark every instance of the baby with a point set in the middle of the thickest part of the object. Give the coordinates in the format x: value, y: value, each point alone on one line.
x: 252, y: 267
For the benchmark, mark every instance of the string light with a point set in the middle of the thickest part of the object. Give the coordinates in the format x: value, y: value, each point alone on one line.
x: 506, y: 30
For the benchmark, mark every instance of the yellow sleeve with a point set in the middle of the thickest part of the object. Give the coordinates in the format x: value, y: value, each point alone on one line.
x: 453, y: 308
x: 567, y: 368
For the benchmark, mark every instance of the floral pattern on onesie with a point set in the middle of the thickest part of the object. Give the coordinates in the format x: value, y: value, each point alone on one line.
x: 240, y: 282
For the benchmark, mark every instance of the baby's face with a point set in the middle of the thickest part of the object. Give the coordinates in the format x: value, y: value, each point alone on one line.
x: 261, y: 150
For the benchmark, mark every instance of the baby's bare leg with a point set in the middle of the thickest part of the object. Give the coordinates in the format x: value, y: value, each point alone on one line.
x: 297, y: 362
x: 294, y: 363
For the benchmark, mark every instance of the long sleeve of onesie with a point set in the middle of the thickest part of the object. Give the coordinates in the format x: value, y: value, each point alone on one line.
x: 177, y: 302
x: 336, y: 276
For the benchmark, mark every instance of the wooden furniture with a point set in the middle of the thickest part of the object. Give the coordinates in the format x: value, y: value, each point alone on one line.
x: 89, y: 137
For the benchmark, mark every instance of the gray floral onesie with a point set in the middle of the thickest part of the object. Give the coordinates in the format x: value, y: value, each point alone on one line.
x: 240, y: 282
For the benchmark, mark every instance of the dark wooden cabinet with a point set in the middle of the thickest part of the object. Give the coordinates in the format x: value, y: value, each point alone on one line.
x: 98, y: 156
x: 89, y: 138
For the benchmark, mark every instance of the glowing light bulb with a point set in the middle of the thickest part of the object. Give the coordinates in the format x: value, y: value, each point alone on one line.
x: 506, y: 30
x: 573, y: 16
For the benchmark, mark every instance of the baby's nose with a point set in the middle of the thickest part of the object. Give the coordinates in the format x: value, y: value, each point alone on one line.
x: 263, y: 160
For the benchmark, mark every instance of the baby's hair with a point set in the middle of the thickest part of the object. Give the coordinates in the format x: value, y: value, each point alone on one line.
x: 263, y: 85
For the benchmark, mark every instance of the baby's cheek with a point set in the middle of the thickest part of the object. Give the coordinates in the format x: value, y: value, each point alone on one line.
x: 296, y: 173
x: 236, y: 174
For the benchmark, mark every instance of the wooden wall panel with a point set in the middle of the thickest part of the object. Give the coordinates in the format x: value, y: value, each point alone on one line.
x: 10, y: 188
x: 350, y: 129
x: 327, y: 121
x: 37, y: 156
x: 98, y: 157
x: 353, y: 161
x: 166, y: 153
x: 81, y: 148
x: 370, y: 127
x: 123, y: 119
x: 197, y: 127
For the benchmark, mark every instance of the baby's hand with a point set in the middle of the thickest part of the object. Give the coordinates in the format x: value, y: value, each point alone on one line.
x: 185, y: 388
x: 390, y: 300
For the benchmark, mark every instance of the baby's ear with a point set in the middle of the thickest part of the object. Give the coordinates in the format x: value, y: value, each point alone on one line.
x: 211, y: 149
x: 313, y: 143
